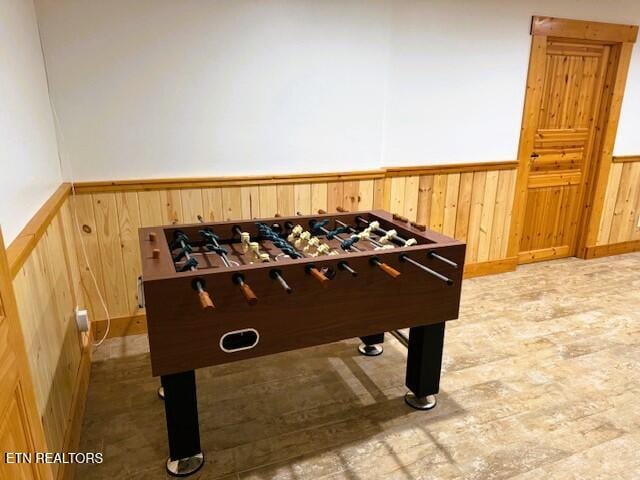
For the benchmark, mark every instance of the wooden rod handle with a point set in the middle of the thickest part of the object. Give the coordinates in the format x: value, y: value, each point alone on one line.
x: 342, y: 210
x: 322, y: 212
x: 205, y: 300
x: 392, y: 272
x: 152, y: 237
x: 419, y: 226
x: 400, y: 218
x: 249, y: 296
x: 318, y: 275
x: 155, y: 254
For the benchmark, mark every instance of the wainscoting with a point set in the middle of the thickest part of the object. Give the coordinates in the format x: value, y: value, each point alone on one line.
x: 620, y: 221
x: 469, y: 202
x: 47, y: 289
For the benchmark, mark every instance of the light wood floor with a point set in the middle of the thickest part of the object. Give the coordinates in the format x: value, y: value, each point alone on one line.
x: 541, y: 381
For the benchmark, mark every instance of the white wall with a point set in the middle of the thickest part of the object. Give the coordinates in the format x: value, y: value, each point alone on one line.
x: 169, y: 88
x: 29, y: 168
x: 164, y: 88
x: 628, y: 140
x: 458, y: 72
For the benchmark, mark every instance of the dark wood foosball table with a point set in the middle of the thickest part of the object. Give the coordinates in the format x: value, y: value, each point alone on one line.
x: 227, y: 291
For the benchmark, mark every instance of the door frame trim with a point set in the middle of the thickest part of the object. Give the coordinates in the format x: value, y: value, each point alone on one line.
x: 584, y: 30
x: 621, y: 39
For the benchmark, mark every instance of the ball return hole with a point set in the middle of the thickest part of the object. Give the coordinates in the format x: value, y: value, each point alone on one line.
x: 239, y: 340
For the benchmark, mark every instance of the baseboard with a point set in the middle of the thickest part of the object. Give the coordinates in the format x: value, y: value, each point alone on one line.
x: 121, y: 326
x: 596, y: 251
x: 490, y: 268
x: 543, y: 254
x: 76, y: 413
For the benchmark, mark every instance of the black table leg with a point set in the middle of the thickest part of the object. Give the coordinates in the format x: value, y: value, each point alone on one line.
x: 424, y: 362
x: 371, y: 345
x: 181, y: 409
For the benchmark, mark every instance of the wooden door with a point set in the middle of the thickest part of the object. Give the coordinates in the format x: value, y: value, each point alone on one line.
x: 562, y: 149
x: 20, y: 427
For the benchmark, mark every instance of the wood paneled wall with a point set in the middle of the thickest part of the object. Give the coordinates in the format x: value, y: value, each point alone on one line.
x: 474, y: 206
x: 621, y: 212
x: 471, y: 206
x: 47, y: 288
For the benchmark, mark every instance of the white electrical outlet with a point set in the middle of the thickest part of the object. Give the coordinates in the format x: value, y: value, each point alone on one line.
x: 82, y: 319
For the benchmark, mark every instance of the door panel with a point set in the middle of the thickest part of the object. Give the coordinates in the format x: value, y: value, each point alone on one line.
x: 562, y: 147
x: 20, y: 426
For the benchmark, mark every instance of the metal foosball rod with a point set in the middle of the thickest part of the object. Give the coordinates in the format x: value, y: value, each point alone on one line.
x: 249, y: 246
x: 392, y: 272
x: 180, y: 239
x: 268, y: 233
x: 404, y: 257
x: 388, y: 235
x: 285, y: 247
x: 369, y: 239
x: 346, y: 244
x: 212, y: 244
x: 401, y: 337
x: 406, y: 243
x: 346, y: 267
x: 439, y: 276
x: 276, y: 274
x: 451, y: 263
x: 303, y: 240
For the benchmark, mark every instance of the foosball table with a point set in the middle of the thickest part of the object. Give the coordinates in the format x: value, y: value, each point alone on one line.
x: 227, y: 291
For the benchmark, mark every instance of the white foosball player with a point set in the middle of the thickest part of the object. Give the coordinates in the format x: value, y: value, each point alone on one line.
x: 256, y: 254
x: 245, y: 239
x: 295, y: 233
x: 302, y: 240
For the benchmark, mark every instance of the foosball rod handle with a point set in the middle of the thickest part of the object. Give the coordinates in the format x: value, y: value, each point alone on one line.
x: 322, y: 212
x: 248, y: 294
x: 205, y: 300
x: 318, y: 275
x: 341, y: 210
x: 392, y: 272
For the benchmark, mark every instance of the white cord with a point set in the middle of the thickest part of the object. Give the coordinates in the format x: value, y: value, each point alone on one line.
x: 60, y: 138
x: 86, y: 259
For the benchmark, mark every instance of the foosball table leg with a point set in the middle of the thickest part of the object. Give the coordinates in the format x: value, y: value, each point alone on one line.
x: 181, y: 410
x: 371, y: 345
x: 424, y: 363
